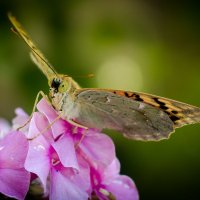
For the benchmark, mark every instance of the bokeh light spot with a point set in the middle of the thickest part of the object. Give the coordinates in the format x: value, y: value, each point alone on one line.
x: 120, y: 72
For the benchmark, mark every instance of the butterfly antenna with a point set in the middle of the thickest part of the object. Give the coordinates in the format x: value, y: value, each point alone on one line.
x: 18, y: 30
x: 82, y: 76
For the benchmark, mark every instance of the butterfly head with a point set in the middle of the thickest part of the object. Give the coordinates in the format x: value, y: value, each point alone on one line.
x: 58, y: 85
x: 61, y: 86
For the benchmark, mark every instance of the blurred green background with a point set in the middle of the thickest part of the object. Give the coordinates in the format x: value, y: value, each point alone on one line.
x: 140, y: 45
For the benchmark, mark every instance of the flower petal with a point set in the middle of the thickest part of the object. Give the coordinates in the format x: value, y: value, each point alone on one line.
x: 4, y: 128
x: 58, y: 127
x: 111, y: 171
x: 14, y: 182
x: 63, y: 188
x: 38, y: 124
x: 13, y: 150
x: 98, y: 147
x: 80, y: 179
x: 64, y: 147
x: 37, y: 160
x: 20, y: 119
x: 122, y: 188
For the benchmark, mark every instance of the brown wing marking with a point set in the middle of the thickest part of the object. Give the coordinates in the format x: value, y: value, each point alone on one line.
x: 180, y: 113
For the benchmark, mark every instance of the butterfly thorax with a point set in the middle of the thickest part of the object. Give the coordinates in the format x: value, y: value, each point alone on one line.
x: 62, y: 96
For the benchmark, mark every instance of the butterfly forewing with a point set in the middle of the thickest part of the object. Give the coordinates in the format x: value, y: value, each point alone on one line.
x: 136, y: 120
x: 138, y: 116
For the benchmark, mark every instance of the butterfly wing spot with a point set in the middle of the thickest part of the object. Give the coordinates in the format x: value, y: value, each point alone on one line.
x: 141, y: 105
x: 128, y: 94
x: 132, y: 95
x: 174, y: 112
x: 108, y: 100
x: 138, y: 98
x: 161, y: 104
x: 173, y: 117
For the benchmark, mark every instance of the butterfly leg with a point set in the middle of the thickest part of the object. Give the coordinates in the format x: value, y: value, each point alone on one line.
x: 72, y: 122
x: 78, y: 126
x: 34, y: 108
x: 82, y: 137
x: 47, y: 128
x: 57, y: 118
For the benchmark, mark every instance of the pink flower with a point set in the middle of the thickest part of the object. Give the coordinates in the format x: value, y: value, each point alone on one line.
x: 71, y: 163
x: 71, y: 168
x: 108, y: 184
x: 54, y: 154
x: 20, y: 119
x: 4, y: 127
x: 67, y: 177
x: 14, y: 179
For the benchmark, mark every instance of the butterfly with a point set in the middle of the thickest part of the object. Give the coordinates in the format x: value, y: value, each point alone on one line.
x: 136, y: 115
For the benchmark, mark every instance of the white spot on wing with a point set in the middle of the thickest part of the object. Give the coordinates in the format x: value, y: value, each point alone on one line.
x: 141, y: 105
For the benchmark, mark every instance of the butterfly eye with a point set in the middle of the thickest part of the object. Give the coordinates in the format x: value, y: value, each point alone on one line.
x: 55, y: 83
x: 63, y: 87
